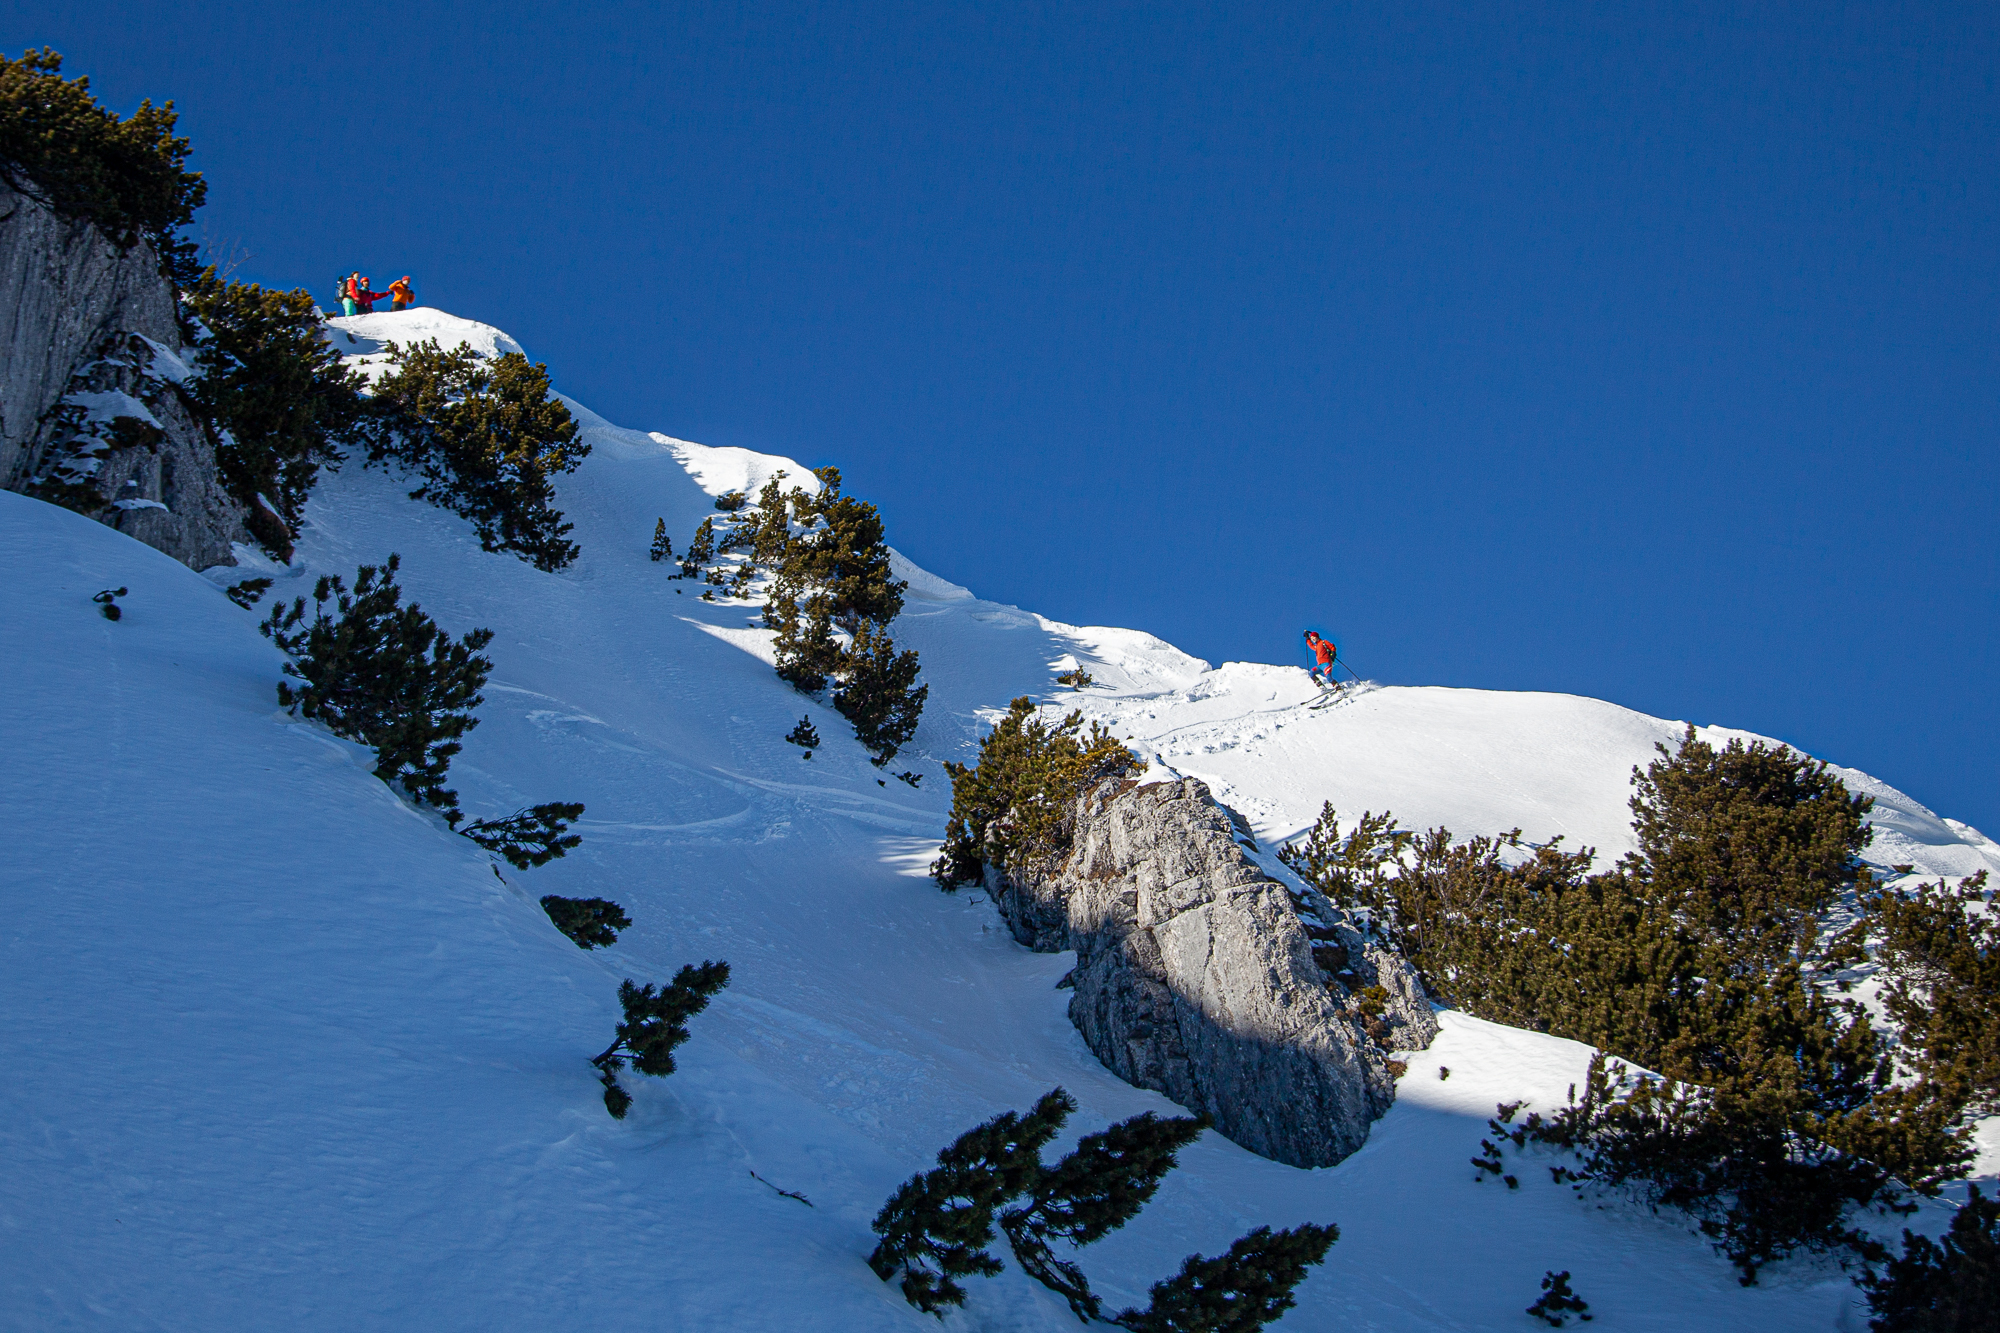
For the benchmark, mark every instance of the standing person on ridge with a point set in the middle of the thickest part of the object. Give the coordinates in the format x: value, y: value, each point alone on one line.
x: 347, y: 303
x: 1324, y: 652
x: 399, y: 293
x: 367, y: 296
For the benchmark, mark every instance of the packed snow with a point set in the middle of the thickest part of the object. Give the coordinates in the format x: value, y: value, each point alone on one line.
x: 283, y: 1051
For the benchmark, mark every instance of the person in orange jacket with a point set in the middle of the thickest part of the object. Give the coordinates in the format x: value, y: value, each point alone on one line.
x: 399, y: 293
x: 1324, y: 652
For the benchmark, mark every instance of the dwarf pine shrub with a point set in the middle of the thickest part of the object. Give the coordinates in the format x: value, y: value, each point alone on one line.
x: 700, y: 550
x: 936, y: 1228
x: 879, y: 693
x: 1240, y: 1292
x: 249, y: 592
x: 277, y: 395
x: 487, y: 438
x: 1557, y: 1302
x: 1939, y: 952
x: 384, y: 674
x: 1944, y: 1286
x: 128, y: 176
x: 591, y: 923
x: 1014, y: 804
x: 655, y: 1023
x: 1701, y: 956
x: 531, y: 837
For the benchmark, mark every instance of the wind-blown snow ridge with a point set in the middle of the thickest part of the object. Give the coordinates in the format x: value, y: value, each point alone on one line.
x: 284, y: 1052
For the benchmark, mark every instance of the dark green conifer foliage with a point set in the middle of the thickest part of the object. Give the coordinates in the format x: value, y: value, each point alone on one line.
x: 1557, y: 1302
x: 1939, y: 951
x: 806, y: 651
x: 1240, y: 1292
x: 1076, y: 679
x: 879, y: 693
x: 278, y: 396
x: 804, y: 734
x: 383, y: 674
x: 1948, y: 1287
x: 593, y: 923
x: 531, y: 837
x: 730, y: 501
x: 487, y: 438
x: 1700, y: 956
x: 773, y: 530
x: 249, y: 592
x: 655, y: 1022
x: 663, y: 549
x: 1015, y: 802
x: 844, y: 558
x: 127, y: 176
x: 701, y: 549
x: 1092, y: 1192
x: 936, y: 1227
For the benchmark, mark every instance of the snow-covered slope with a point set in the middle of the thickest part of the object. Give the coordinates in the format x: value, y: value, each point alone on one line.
x: 282, y: 1052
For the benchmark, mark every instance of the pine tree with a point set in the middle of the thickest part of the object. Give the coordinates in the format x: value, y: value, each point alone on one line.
x: 701, y: 549
x: 249, y: 592
x: 655, y: 1023
x: 1015, y: 802
x: 531, y: 837
x: 1076, y: 678
x: 936, y: 1227
x: 730, y: 501
x: 879, y: 693
x: 1557, y: 1302
x: 773, y: 532
x: 1939, y: 951
x: 1092, y: 1192
x: 804, y: 735
x: 129, y: 176
x: 662, y: 548
x: 593, y: 923
x: 487, y: 438
x: 1241, y: 1292
x: 1951, y: 1286
x: 1701, y: 956
x: 806, y: 651
x: 383, y: 674
x: 277, y: 396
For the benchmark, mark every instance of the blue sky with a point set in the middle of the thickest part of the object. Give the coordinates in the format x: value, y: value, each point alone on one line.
x: 1640, y: 351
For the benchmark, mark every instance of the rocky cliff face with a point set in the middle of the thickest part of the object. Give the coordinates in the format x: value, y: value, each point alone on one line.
x: 91, y: 411
x: 1200, y: 976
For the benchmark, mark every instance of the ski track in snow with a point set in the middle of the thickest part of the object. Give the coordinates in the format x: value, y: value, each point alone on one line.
x: 284, y: 1052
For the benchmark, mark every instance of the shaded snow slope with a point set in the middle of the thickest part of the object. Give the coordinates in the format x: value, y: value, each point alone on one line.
x: 283, y: 1052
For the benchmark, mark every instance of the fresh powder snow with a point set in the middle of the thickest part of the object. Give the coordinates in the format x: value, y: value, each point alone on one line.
x: 282, y: 1051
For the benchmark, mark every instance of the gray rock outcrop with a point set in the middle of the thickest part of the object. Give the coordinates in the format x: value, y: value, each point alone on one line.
x: 90, y: 403
x: 1200, y: 976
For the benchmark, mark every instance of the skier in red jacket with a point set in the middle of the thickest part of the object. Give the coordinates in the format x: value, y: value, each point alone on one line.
x: 1323, y: 651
